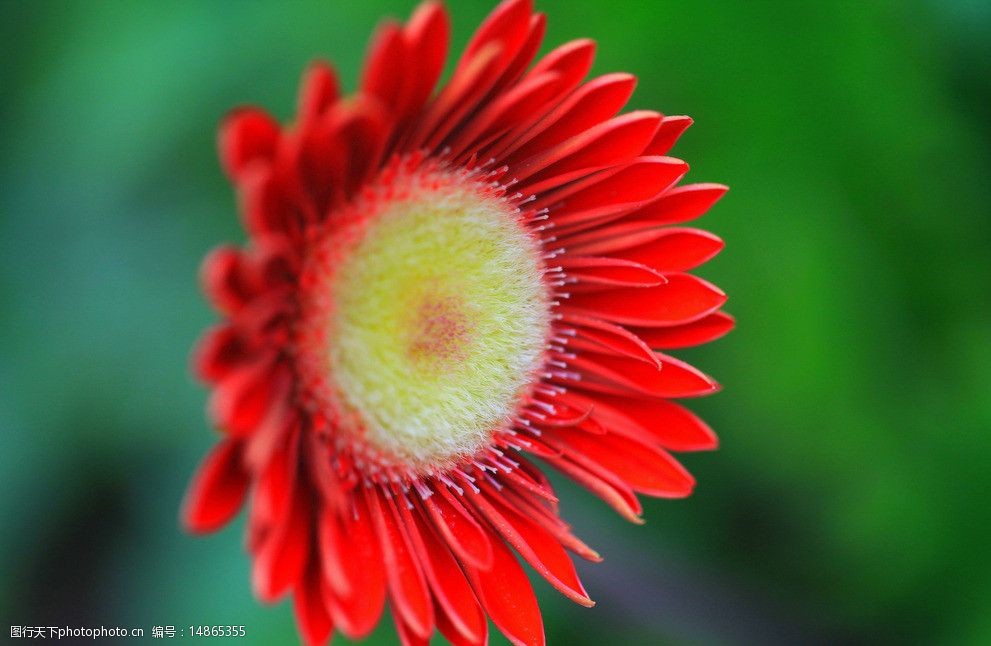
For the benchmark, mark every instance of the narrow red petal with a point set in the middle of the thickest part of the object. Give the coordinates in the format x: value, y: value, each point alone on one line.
x: 683, y: 299
x: 240, y: 403
x: 667, y: 135
x: 279, y: 562
x: 352, y: 549
x: 363, y: 130
x: 611, y: 338
x: 465, y: 536
x: 524, y: 54
x: 680, y: 204
x: 459, y: 96
x: 643, y: 467
x: 385, y: 74
x: 508, y: 598
x: 219, y: 351
x: 227, y: 279
x: 312, y: 617
x: 573, y: 60
x: 267, y: 209
x: 704, y: 330
x: 318, y: 91
x: 620, y: 375
x: 610, y: 143
x: 407, y: 586
x: 516, y: 103
x: 217, y: 490
x: 453, y: 635
x: 550, y: 521
x: 451, y: 591
x: 678, y: 249
x: 529, y: 478
x: 667, y: 249
x: 407, y: 635
x: 541, y: 550
x: 604, y: 485
x: 671, y: 425
x: 507, y: 24
x: 591, y: 104
x: 609, y: 271
x: 428, y: 34
x: 275, y: 484
x: 636, y: 184
x: 248, y: 136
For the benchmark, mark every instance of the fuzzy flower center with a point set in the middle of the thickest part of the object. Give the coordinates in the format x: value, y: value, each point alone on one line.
x: 440, y: 320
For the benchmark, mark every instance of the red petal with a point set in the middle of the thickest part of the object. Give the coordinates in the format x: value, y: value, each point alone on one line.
x: 248, y: 136
x: 279, y: 562
x: 408, y: 636
x: 604, y: 485
x: 275, y: 486
x: 612, y: 338
x: 241, y: 402
x: 280, y: 420
x: 315, y: 624
x: 266, y: 208
x: 530, y: 479
x: 451, y: 591
x: 549, y: 520
x: 326, y: 483
x: 572, y: 60
x: 428, y: 34
x: 227, y: 279
x: 516, y: 103
x: 676, y: 250
x: 683, y: 299
x: 589, y: 105
x: 541, y: 550
x: 323, y: 161
x: 220, y: 351
x: 508, y: 599
x: 704, y: 330
x: 407, y: 586
x: 507, y: 24
x: 217, y: 490
x: 621, y: 192
x: 385, y: 71
x: 666, y: 249
x: 680, y: 204
x: 666, y: 136
x: 352, y: 550
x: 317, y: 92
x: 462, y: 93
x: 466, y: 537
x: 609, y: 271
x: 363, y: 130
x: 619, y: 375
x: 613, y: 142
x: 670, y: 424
x: 558, y: 415
x: 643, y: 467
x: 524, y: 54
x: 447, y: 629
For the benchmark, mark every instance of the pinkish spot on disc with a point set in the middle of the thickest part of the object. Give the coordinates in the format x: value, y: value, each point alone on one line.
x: 441, y: 332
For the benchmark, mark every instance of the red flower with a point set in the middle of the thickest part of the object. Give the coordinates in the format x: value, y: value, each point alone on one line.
x: 435, y: 285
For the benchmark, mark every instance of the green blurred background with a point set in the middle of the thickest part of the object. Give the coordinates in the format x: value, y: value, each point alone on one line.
x: 849, y: 500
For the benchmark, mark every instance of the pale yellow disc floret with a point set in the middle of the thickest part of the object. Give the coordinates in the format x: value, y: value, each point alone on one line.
x: 441, y: 319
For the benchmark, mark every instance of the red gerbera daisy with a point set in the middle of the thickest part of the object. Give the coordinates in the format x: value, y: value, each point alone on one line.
x: 435, y: 285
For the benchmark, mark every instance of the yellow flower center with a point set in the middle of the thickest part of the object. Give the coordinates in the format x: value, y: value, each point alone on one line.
x: 440, y: 319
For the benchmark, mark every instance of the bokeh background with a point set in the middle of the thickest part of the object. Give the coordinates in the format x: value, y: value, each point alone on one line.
x: 849, y: 500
